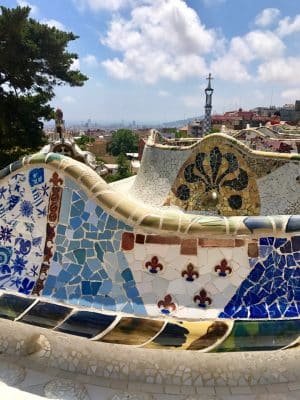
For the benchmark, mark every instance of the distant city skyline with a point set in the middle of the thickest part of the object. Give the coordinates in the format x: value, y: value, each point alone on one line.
x: 148, y: 60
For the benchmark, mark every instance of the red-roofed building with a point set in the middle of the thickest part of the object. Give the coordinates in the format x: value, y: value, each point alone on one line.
x: 238, y: 119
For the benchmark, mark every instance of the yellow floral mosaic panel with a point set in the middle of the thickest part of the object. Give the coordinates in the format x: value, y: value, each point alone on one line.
x: 216, y: 178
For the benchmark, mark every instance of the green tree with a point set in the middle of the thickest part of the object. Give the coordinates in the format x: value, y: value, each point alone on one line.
x: 84, y: 140
x: 123, y: 141
x: 123, y: 167
x: 33, y: 60
x: 123, y: 170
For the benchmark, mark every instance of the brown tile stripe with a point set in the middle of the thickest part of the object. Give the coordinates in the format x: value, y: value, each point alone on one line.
x: 157, y: 239
x: 221, y: 242
x: 188, y: 246
x: 52, y: 220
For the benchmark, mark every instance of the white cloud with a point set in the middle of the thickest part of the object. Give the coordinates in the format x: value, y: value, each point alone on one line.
x: 68, y: 100
x: 230, y: 68
x: 53, y: 23
x: 163, y: 93
x: 163, y: 40
x: 34, y: 9
x: 291, y: 94
x: 257, y: 45
x: 284, y: 70
x: 287, y: 26
x: 75, y: 65
x: 267, y: 17
x: 90, y: 60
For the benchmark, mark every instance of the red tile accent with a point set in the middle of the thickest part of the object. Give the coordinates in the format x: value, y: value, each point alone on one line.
x: 216, y: 242
x: 188, y: 247
x: 156, y: 239
x: 253, y: 250
x: 139, y: 238
x: 239, y: 242
x: 127, y: 241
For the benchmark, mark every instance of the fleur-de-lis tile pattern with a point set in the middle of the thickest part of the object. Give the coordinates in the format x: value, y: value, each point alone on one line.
x: 167, y: 305
x: 202, y: 299
x: 190, y: 273
x: 223, y: 269
x: 154, y: 265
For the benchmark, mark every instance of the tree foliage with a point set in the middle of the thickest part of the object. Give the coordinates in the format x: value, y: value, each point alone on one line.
x: 84, y: 140
x: 123, y: 170
x: 33, y: 60
x: 123, y: 141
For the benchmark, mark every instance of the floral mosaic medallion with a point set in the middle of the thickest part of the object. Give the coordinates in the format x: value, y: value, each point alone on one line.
x: 217, y: 179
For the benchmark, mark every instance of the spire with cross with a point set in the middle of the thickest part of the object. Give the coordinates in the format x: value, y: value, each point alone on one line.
x: 208, y: 106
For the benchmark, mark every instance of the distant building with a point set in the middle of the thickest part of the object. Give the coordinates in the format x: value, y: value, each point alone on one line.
x: 195, y: 128
x: 288, y: 112
x: 238, y: 119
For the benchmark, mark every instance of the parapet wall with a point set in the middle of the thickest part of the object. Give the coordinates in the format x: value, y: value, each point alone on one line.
x: 219, y: 175
x: 69, y: 237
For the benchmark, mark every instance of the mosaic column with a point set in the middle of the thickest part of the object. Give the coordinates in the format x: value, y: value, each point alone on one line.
x: 208, y: 106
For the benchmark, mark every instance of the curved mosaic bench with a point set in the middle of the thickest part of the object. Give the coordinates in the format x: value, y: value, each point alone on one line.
x: 79, y: 257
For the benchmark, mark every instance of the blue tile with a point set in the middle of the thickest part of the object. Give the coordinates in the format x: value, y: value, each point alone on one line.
x: 61, y: 294
x: 49, y: 285
x: 61, y: 229
x: 80, y: 255
x: 78, y: 234
x: 75, y: 222
x: 127, y: 275
x: 74, y: 269
x: 103, y: 273
x: 86, y: 244
x: 86, y: 272
x: 64, y: 276
x: 75, y: 281
x: 86, y: 288
x: 111, y: 223
x: 106, y: 287
x: 75, y: 196
x: 99, y: 251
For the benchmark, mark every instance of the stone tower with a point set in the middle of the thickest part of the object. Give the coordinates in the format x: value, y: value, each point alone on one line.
x: 208, y: 106
x: 59, y: 124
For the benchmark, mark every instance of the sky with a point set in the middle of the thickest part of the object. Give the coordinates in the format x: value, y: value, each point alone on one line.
x: 147, y: 60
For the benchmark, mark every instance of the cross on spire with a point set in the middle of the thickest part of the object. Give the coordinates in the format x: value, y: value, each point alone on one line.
x: 209, y: 78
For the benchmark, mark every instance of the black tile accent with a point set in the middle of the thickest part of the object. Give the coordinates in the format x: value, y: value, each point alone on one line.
x: 12, y: 306
x: 86, y: 324
x: 46, y: 315
x: 173, y: 335
x: 293, y: 224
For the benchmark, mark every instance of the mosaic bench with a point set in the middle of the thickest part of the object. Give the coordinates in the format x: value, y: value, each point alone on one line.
x: 78, y: 256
